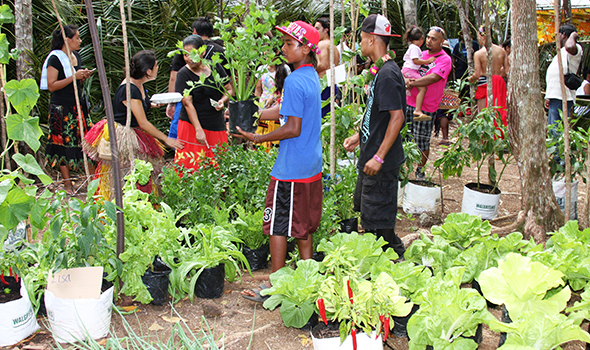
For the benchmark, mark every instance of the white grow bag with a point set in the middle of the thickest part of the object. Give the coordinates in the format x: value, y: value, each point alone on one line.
x: 18, y: 319
x: 76, y: 319
x: 364, y: 342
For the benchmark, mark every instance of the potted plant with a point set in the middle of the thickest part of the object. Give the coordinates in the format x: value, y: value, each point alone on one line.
x: 340, y: 193
x: 353, y: 294
x: 149, y: 233
x: 247, y: 47
x: 420, y: 196
x: 484, y: 140
x: 200, y: 268
x: 556, y: 151
x: 248, y: 227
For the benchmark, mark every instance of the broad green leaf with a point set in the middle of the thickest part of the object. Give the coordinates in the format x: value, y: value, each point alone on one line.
x: 4, y: 53
x: 4, y: 188
x: 521, y: 284
x: 26, y: 129
x: 29, y: 164
x: 22, y: 94
x: 15, y: 208
x: 294, y: 315
x: 6, y: 15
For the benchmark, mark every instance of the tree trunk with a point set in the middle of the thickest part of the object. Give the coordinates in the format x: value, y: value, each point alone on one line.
x: 528, y: 126
x: 23, y: 33
x: 567, y: 12
x: 410, y: 13
x: 467, y: 39
x: 478, y: 11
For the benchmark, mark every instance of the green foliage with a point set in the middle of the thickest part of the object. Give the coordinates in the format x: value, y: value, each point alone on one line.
x: 295, y: 290
x: 534, y: 298
x: 436, y: 252
x: 484, y: 140
x: 351, y: 254
x: 447, y: 315
x: 240, y: 177
x: 247, y: 47
x: 462, y: 229
x: 579, y: 138
x: 568, y: 251
x: 213, y: 245
x: 340, y: 191
x: 148, y: 233
x: 249, y: 228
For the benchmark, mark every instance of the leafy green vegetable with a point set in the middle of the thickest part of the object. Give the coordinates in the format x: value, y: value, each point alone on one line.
x: 486, y: 254
x: 522, y: 285
x: 539, y: 330
x: 447, y: 314
x: 295, y: 291
x: 436, y: 252
x: 568, y: 251
x: 353, y: 254
x: 462, y: 229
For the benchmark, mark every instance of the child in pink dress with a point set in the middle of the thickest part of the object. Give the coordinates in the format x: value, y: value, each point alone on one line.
x: 412, y: 61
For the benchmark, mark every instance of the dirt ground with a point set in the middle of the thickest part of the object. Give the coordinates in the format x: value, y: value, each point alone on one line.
x: 241, y: 324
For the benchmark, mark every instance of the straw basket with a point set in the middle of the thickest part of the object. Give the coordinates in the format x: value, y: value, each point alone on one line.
x: 450, y: 100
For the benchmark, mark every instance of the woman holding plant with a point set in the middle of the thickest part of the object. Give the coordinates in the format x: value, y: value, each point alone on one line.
x: 63, y: 145
x: 201, y: 122
x: 294, y: 197
x: 143, y: 68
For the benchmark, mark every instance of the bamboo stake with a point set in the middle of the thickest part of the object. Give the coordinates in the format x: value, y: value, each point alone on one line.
x: 106, y: 96
x: 564, y: 117
x: 332, y: 83
x: 74, y: 82
x: 127, y: 76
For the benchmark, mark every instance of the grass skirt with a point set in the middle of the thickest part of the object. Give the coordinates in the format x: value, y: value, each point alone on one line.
x: 132, y: 143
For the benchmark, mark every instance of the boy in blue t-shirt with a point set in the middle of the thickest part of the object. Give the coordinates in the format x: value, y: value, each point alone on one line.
x: 294, y: 197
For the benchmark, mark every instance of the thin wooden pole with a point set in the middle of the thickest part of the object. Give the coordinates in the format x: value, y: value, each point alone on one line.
x: 332, y: 83
x: 564, y: 116
x: 106, y: 97
x: 74, y: 82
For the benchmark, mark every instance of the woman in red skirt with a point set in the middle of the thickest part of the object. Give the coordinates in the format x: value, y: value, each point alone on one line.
x: 201, y: 124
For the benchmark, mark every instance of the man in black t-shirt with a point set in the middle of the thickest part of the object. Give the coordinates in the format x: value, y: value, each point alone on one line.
x: 381, y: 153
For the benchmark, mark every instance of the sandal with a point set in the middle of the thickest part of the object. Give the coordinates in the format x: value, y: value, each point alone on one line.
x: 421, y: 118
x: 444, y: 142
x: 256, y: 291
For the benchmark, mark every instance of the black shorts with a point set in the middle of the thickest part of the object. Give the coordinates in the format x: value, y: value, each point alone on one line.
x: 293, y: 209
x: 376, y: 198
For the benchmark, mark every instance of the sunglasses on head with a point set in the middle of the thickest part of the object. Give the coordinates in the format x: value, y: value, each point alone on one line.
x: 438, y: 29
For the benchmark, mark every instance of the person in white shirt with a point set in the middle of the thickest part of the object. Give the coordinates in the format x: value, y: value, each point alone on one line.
x: 571, y: 53
x: 584, y: 89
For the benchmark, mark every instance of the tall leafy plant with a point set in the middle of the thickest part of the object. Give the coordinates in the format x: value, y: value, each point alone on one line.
x: 247, y: 47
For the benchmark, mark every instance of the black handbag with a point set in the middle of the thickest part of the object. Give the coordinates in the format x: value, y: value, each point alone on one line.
x: 572, y: 80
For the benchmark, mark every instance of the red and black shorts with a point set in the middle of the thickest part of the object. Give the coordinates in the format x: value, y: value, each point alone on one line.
x: 293, y: 209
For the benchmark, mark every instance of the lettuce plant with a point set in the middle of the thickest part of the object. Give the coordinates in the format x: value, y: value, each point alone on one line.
x: 532, y: 294
x: 568, y: 251
x: 295, y: 291
x: 448, y: 314
x: 462, y: 229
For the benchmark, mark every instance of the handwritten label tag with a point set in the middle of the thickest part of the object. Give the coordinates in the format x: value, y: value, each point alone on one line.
x: 76, y: 283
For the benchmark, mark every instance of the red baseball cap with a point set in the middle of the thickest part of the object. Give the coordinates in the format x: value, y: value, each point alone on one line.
x: 303, y: 32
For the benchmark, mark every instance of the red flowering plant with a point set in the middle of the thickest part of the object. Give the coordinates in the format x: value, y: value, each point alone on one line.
x: 355, y: 294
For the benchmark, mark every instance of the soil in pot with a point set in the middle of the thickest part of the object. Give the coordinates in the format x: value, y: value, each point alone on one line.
x: 10, y: 291
x: 156, y: 280
x: 210, y: 283
x: 241, y: 114
x: 321, y: 330
x: 483, y: 188
x: 257, y: 258
x: 349, y: 225
x: 424, y: 183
